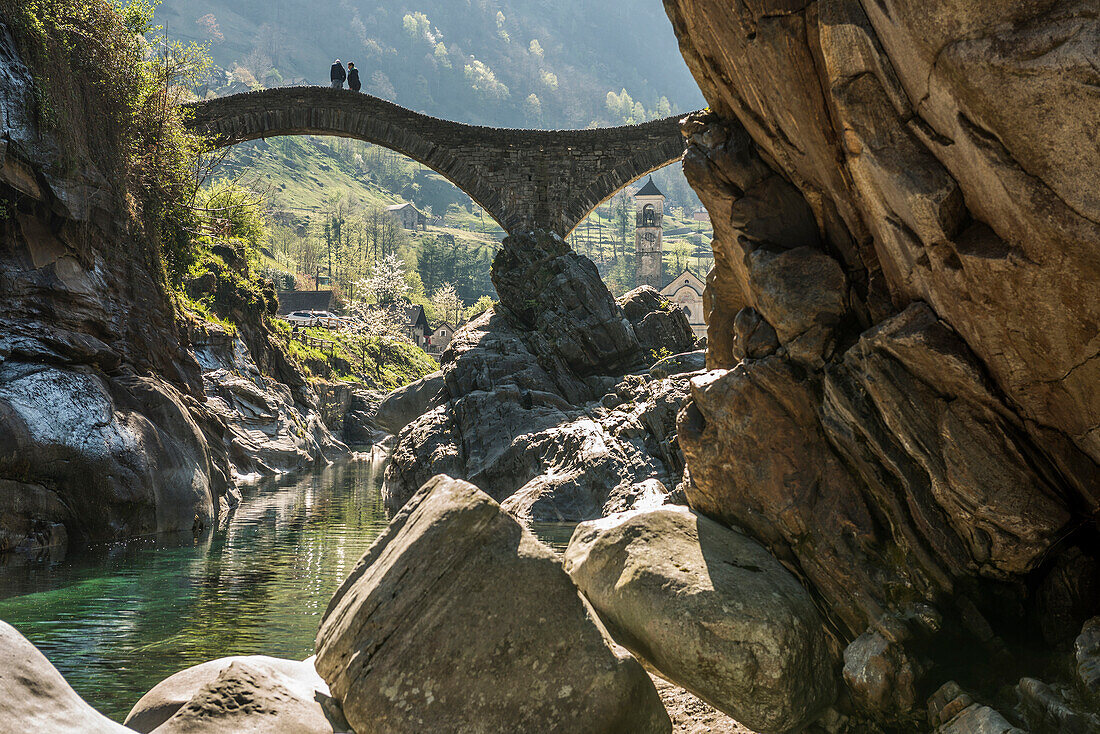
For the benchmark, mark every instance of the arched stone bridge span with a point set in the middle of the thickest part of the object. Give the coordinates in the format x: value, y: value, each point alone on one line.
x: 525, y: 179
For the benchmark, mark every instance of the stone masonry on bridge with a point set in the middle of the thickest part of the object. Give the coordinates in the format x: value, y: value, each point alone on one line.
x: 525, y: 179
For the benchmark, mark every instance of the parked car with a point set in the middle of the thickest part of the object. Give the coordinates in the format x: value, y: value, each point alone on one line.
x: 326, y: 319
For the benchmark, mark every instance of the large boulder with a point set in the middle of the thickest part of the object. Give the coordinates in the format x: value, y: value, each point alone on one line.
x: 711, y: 610
x: 34, y: 697
x: 662, y: 328
x: 558, y: 298
x: 237, y: 694
x: 405, y: 404
x: 106, y: 457
x: 458, y: 619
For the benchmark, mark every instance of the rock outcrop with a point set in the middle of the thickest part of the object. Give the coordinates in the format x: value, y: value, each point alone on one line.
x: 903, y: 327
x: 34, y: 696
x: 458, y: 619
x: 404, y: 405
x: 534, y: 403
x: 108, y: 426
x: 240, y: 694
x: 270, y: 427
x: 711, y: 610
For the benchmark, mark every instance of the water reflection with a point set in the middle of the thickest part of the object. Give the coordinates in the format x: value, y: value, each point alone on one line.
x: 116, y: 620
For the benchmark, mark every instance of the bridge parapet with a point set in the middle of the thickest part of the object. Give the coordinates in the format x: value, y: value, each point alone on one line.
x: 524, y: 179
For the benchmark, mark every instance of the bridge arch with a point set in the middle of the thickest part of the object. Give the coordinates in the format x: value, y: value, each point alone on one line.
x: 524, y: 179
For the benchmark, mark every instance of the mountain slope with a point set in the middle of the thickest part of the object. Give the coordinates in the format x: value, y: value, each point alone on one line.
x: 537, y: 63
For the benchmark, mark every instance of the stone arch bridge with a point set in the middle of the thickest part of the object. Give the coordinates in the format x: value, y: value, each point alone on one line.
x: 524, y: 179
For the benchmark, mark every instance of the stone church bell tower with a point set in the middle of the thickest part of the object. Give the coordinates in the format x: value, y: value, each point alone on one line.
x: 649, y: 258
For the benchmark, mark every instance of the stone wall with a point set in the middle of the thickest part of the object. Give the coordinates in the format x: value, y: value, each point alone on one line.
x: 525, y: 179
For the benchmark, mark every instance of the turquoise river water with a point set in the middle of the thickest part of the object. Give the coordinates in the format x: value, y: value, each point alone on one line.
x: 118, y: 619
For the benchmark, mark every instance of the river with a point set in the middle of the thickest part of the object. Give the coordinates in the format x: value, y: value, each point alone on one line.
x: 118, y: 619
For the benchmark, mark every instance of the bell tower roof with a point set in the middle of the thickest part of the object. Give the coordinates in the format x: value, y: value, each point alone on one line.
x: 650, y: 189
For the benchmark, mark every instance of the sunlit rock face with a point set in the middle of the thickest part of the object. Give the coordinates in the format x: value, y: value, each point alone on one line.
x: 34, y: 696
x: 903, y: 319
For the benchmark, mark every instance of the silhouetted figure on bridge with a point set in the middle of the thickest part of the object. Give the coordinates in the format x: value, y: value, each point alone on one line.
x: 353, y: 78
x: 338, y: 75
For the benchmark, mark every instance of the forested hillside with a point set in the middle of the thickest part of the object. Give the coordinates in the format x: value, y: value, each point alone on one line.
x: 531, y: 63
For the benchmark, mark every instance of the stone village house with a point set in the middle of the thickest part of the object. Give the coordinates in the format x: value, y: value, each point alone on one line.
x: 409, y: 216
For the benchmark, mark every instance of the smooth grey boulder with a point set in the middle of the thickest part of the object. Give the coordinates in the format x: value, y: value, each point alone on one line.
x: 405, y: 404
x: 34, y: 697
x: 459, y: 619
x: 711, y: 610
x: 106, y: 457
x: 271, y: 695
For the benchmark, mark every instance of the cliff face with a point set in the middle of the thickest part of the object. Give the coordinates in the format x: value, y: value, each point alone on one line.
x: 904, y: 311
x: 105, y: 430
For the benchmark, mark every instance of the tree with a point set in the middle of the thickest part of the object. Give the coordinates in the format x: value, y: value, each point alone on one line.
x: 387, y: 284
x: 233, y: 211
x: 209, y: 27
x: 447, y: 303
x: 480, y: 306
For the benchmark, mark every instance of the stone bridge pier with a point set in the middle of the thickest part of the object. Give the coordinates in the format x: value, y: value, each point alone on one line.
x: 524, y: 179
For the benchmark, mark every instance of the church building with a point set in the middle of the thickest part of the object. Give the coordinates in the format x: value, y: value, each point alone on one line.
x: 686, y: 289
x: 686, y: 293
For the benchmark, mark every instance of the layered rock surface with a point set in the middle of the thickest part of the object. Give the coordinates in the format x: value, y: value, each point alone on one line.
x: 429, y: 633
x: 534, y: 408
x: 903, y: 319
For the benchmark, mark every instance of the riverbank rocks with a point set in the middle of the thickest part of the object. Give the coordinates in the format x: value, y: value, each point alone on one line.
x: 711, y: 610
x: 105, y: 457
x: 660, y: 326
x: 269, y: 428
x: 902, y: 323
x: 679, y: 364
x: 458, y: 619
x: 243, y: 693
x: 536, y: 406
x: 34, y: 697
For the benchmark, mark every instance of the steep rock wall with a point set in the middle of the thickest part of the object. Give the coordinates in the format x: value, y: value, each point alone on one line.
x: 904, y: 312
x: 106, y: 430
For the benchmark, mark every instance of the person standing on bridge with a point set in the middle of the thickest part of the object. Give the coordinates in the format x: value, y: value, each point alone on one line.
x: 353, y: 78
x: 337, y: 75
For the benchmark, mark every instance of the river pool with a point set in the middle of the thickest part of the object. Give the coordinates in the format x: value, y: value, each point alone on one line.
x: 118, y: 619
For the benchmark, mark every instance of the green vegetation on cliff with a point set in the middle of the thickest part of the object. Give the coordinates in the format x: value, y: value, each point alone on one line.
x: 106, y: 88
x: 109, y: 96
